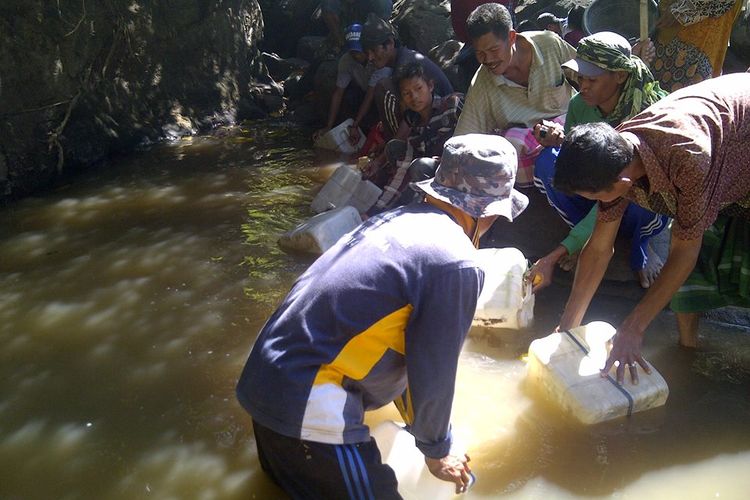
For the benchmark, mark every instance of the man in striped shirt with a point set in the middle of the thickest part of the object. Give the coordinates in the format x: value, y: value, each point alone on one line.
x: 519, y: 83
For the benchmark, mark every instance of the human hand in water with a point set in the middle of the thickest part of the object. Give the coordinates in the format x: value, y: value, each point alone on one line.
x: 451, y: 468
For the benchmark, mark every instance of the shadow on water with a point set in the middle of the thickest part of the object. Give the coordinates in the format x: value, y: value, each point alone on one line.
x: 129, y: 302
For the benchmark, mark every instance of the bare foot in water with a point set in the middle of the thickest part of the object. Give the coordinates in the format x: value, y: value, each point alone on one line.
x: 648, y: 274
x: 568, y: 262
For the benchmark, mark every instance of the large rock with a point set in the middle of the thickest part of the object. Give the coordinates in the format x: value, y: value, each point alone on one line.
x: 422, y: 24
x: 82, y: 80
x: 286, y: 21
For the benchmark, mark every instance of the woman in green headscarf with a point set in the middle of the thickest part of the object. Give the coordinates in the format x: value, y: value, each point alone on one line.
x: 614, y: 85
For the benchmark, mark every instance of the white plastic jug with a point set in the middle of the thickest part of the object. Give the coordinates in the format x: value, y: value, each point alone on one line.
x: 506, y: 300
x: 415, y: 481
x: 365, y: 196
x: 337, y: 139
x: 565, y: 367
x: 338, y: 190
x: 321, y: 232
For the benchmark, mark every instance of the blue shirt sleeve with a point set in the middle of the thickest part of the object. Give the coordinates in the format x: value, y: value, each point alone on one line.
x: 435, y: 334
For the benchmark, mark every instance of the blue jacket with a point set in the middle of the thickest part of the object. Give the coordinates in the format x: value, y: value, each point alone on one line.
x: 380, y: 317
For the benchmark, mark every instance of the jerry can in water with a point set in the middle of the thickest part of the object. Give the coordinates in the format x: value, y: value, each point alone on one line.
x: 400, y: 453
x: 337, y: 139
x: 338, y: 190
x: 321, y: 232
x: 364, y: 196
x: 565, y: 367
x: 506, y: 300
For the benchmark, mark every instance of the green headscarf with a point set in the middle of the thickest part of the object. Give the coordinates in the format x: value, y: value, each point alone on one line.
x: 638, y: 92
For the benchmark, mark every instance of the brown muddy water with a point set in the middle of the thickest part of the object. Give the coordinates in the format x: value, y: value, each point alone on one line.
x: 129, y: 302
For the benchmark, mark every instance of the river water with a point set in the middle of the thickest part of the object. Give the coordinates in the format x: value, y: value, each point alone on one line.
x: 130, y: 299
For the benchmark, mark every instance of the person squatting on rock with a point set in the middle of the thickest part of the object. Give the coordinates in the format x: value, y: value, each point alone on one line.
x: 614, y: 86
x: 429, y: 120
x: 520, y: 82
x: 385, y: 51
x: 363, y: 327
x: 686, y: 157
x: 353, y: 67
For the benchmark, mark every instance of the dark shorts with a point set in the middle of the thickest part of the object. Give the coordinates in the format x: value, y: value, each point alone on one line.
x: 310, y: 470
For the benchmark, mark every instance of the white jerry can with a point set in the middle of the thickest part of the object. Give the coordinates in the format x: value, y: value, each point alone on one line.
x: 506, y: 300
x: 338, y: 190
x: 565, y: 367
x: 415, y: 481
x: 337, y: 139
x: 321, y: 232
x: 365, y: 196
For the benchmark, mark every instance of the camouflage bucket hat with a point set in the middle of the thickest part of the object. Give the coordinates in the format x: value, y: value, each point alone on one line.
x: 476, y: 174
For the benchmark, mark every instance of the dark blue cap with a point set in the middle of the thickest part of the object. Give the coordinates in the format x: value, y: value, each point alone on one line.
x: 353, y: 35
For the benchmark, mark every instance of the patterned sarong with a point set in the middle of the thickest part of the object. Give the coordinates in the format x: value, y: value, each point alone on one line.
x: 722, y: 274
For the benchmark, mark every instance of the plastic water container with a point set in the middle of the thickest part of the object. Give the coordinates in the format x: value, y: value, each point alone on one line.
x: 338, y: 190
x: 364, y: 196
x: 337, y: 139
x: 321, y: 232
x: 415, y: 481
x: 506, y: 300
x: 322, y: 173
x: 565, y: 367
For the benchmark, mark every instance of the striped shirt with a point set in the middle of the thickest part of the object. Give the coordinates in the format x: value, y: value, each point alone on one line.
x: 423, y: 140
x: 493, y: 102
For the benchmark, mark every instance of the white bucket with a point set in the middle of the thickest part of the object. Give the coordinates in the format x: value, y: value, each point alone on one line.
x: 415, y: 481
x: 337, y: 139
x: 565, y: 368
x: 506, y: 300
x: 321, y: 232
x: 338, y: 190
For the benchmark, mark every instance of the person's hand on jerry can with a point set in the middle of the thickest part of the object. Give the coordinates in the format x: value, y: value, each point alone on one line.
x: 549, y: 134
x: 626, y: 353
x: 354, y: 134
x: 370, y: 168
x: 540, y: 274
x: 452, y: 468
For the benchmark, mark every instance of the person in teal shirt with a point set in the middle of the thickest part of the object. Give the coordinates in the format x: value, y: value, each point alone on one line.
x: 614, y: 86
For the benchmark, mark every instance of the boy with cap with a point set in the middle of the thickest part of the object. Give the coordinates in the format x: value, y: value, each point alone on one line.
x: 384, y: 50
x: 353, y: 67
x: 379, y: 317
x: 614, y: 86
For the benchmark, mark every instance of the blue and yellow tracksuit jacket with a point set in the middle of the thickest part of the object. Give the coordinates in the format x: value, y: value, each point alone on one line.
x: 380, y: 317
